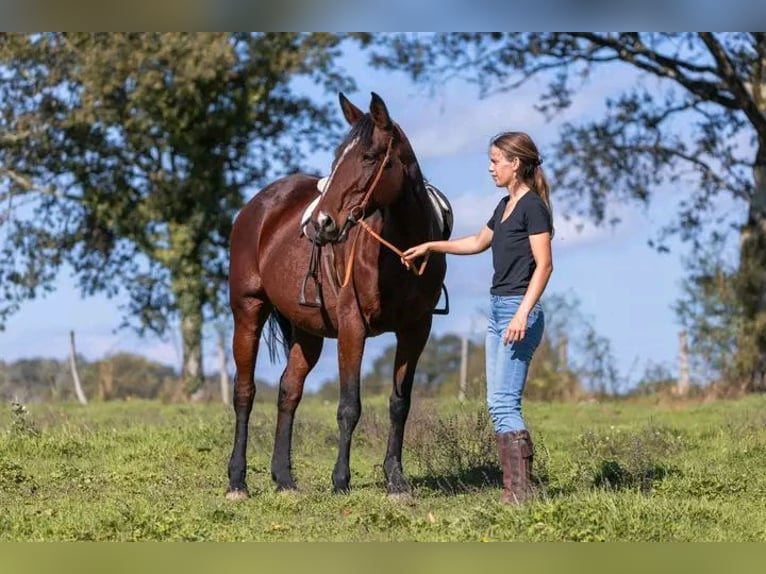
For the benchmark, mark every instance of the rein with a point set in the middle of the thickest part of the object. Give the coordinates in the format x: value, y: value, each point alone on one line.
x: 350, y: 263
x: 356, y: 215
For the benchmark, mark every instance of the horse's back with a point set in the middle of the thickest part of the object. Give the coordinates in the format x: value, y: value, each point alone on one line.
x: 269, y: 222
x: 280, y: 198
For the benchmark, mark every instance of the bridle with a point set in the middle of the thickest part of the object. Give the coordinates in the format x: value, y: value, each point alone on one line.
x: 355, y: 215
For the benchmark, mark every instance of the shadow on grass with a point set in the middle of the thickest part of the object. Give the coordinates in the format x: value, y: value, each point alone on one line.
x: 471, y: 479
x: 612, y: 475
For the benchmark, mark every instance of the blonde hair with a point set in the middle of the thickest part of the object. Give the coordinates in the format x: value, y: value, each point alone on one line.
x: 520, y: 145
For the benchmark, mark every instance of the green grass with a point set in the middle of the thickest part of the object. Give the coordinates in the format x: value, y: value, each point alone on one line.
x: 140, y: 470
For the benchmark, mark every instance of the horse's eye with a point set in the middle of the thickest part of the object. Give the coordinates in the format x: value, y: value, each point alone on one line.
x: 368, y: 156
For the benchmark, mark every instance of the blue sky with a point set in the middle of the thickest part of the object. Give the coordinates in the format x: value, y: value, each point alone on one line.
x: 624, y: 287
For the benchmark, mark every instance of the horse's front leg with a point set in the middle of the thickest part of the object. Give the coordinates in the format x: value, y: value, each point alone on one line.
x: 304, y: 354
x: 409, y: 345
x: 350, y: 348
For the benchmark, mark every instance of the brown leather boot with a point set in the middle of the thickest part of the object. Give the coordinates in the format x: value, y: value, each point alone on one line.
x: 515, y: 450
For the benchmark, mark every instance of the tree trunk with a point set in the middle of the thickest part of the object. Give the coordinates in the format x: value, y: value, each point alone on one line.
x: 188, y: 293
x: 106, y: 379
x: 751, y: 283
x: 191, y: 336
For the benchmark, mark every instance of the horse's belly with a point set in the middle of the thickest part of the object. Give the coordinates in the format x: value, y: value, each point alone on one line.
x: 283, y: 288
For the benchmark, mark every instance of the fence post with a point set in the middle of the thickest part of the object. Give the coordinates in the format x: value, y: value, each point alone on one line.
x: 73, y: 367
x: 682, y: 387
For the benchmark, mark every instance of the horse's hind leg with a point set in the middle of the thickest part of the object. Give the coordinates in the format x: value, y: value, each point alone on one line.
x: 409, y: 345
x: 250, y: 314
x: 304, y: 354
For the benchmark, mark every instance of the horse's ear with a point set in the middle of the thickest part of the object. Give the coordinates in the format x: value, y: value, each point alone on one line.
x: 350, y: 111
x: 379, y: 113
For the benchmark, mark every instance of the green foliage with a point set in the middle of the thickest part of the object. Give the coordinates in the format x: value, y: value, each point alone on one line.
x: 724, y: 338
x: 124, y: 375
x: 635, y: 145
x: 28, y: 380
x: 118, y: 376
x: 617, y: 459
x: 455, y: 451
x: 693, y: 120
x: 656, y: 381
x: 126, y: 156
x: 22, y: 425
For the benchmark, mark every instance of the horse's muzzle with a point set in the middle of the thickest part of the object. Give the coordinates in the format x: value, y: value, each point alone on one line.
x: 326, y: 228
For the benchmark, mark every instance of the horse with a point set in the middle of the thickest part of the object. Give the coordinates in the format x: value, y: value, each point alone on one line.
x: 375, y: 203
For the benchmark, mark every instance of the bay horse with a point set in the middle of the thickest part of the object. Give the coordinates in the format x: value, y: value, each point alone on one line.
x: 374, y: 202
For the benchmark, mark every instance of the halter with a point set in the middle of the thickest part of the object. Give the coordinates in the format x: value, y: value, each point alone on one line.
x: 352, y: 218
x: 356, y: 213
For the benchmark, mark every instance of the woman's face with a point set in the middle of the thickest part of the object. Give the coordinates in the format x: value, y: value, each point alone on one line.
x: 503, y: 172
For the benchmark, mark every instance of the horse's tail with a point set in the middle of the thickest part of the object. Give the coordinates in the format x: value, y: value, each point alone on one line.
x: 278, y: 336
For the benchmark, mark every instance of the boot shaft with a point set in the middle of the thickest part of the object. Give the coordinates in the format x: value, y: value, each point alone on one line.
x: 516, y: 452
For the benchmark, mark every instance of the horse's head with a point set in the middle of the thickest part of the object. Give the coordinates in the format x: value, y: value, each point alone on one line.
x: 372, y: 166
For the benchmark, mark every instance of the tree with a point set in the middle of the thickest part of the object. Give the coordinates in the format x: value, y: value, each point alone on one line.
x: 123, y: 375
x: 126, y: 156
x: 715, y: 83
x: 35, y: 380
x: 711, y: 311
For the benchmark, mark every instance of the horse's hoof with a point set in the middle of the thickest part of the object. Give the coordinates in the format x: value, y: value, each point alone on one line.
x: 341, y: 483
x: 287, y: 487
x: 236, y: 495
x: 341, y: 489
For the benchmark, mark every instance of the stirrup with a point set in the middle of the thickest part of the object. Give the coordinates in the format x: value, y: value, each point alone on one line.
x: 317, y: 302
x: 445, y: 310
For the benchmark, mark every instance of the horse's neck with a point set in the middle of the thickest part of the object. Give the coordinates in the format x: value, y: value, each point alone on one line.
x: 410, y: 217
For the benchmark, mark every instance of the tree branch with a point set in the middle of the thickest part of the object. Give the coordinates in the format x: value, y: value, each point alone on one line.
x: 663, y: 66
x: 758, y: 79
x: 733, y: 81
x: 28, y: 186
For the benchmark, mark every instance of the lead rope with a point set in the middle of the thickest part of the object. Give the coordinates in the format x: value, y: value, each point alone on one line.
x: 350, y: 262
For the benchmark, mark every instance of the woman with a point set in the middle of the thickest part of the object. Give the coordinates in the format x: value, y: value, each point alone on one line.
x: 519, y: 233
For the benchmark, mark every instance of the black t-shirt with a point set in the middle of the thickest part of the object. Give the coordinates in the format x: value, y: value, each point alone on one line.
x: 511, y: 251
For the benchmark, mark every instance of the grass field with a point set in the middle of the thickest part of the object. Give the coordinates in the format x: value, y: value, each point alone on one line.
x: 607, y: 471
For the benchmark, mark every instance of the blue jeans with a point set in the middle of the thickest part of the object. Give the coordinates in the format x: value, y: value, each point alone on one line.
x: 508, y: 365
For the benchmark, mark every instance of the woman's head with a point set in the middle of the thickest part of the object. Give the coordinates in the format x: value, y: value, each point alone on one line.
x: 513, y: 146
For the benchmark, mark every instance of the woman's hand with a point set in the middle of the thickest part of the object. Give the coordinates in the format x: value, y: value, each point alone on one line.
x: 516, y: 329
x: 414, y: 252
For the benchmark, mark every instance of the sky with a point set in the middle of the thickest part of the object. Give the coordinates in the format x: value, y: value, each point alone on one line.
x: 626, y: 289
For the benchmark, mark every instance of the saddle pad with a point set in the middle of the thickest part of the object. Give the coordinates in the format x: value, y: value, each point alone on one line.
x: 312, y: 206
x: 442, y: 209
